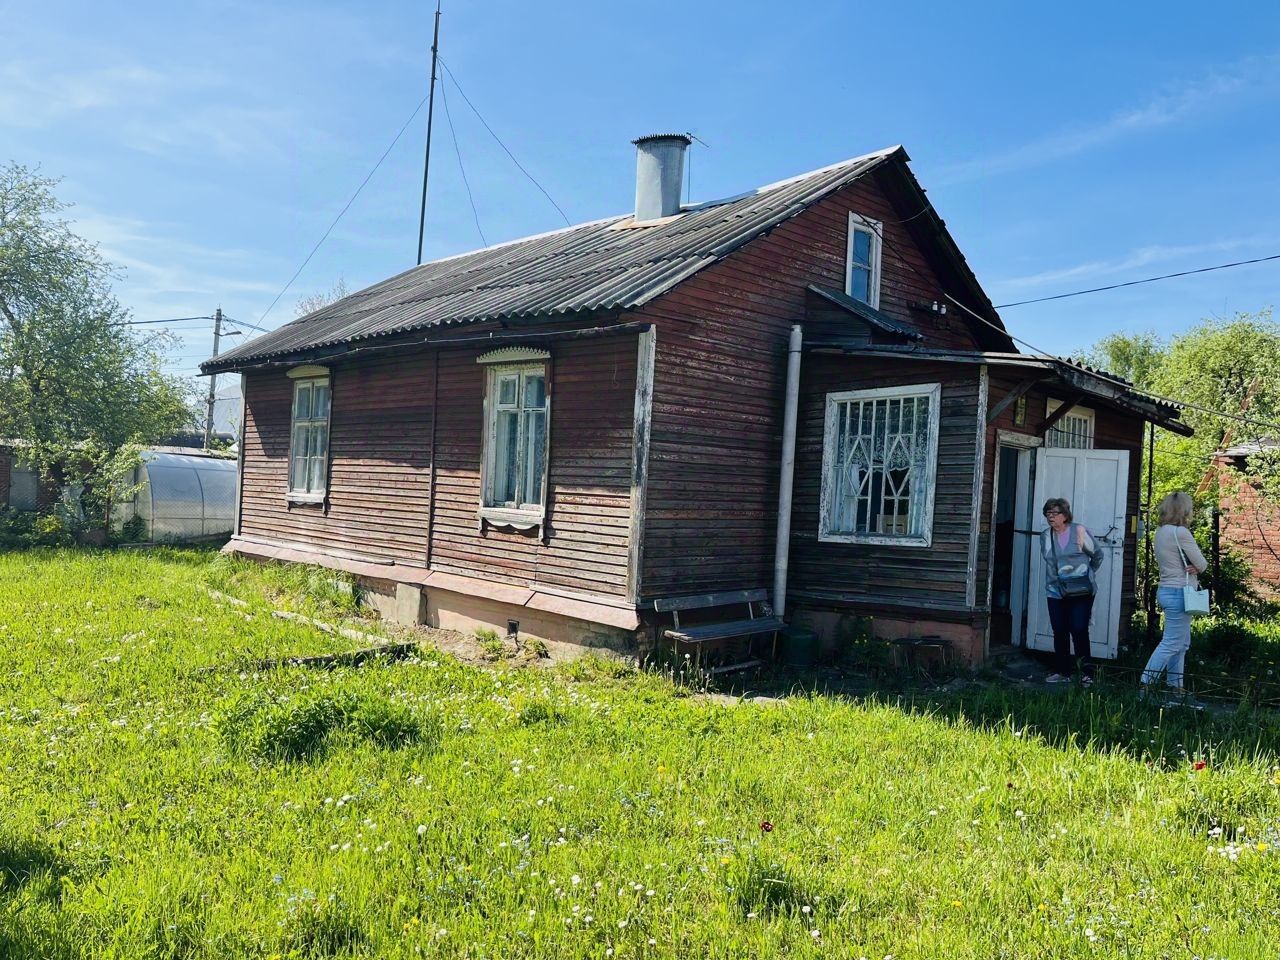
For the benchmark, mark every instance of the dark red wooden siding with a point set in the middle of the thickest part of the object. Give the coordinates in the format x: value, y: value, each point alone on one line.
x: 883, y: 577
x: 589, y: 503
x: 380, y: 487
x: 719, y: 380
x: 380, y: 470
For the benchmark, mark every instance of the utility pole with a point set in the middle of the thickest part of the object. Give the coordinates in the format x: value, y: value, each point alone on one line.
x: 213, y: 380
x: 431, y: 106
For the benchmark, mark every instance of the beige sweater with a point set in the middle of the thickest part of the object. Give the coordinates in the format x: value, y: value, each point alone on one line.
x: 1173, y: 571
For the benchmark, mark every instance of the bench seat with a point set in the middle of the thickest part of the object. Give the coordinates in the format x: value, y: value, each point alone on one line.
x: 723, y: 631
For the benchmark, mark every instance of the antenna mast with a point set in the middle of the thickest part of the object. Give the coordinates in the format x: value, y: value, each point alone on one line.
x: 431, y: 106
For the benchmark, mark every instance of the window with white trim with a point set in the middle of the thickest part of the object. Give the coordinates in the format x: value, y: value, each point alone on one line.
x: 309, y: 437
x: 862, y: 269
x: 517, y: 409
x: 879, y: 460
x: 1074, y: 431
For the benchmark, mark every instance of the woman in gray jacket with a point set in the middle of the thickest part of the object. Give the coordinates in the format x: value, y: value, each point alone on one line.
x: 1180, y: 561
x: 1070, y: 559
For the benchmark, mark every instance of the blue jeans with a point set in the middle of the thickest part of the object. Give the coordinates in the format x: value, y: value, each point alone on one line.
x: 1170, y: 657
x: 1069, y: 617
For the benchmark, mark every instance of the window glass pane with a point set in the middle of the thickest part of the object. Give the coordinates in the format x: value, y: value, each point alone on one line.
x: 506, y: 445
x: 302, y: 402
x: 862, y: 247
x: 315, y: 479
x: 507, y: 387
x: 319, y: 440
x: 535, y: 441
x: 535, y: 391
x: 860, y: 284
x: 320, y: 404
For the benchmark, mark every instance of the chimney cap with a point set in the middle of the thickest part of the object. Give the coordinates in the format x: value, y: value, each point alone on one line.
x: 663, y: 136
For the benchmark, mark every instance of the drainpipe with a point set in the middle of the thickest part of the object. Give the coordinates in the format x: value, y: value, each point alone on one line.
x: 787, y: 473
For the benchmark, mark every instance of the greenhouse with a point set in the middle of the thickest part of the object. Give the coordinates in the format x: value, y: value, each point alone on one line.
x: 184, y: 494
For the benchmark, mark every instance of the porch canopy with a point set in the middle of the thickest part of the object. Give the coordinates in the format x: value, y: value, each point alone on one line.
x: 1078, y: 382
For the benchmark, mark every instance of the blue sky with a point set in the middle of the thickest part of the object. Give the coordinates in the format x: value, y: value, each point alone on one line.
x: 207, y: 146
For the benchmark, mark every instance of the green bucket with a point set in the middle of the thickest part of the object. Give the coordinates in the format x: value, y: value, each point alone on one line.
x: 799, y: 647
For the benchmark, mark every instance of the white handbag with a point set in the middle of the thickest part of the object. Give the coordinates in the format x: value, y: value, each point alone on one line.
x: 1194, y: 600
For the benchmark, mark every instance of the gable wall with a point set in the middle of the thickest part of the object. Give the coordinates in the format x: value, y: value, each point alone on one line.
x: 719, y: 383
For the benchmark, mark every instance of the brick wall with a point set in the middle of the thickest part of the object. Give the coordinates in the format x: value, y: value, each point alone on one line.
x: 1251, y: 526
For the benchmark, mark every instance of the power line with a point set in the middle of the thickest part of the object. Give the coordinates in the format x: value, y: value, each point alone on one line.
x: 139, y: 323
x: 1045, y: 355
x: 444, y: 99
x: 463, y: 93
x: 343, y: 211
x: 1134, y: 283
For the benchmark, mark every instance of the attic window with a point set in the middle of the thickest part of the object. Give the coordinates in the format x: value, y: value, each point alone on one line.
x: 862, y: 271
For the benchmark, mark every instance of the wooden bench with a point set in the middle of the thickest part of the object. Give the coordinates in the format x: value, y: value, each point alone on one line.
x: 757, y: 622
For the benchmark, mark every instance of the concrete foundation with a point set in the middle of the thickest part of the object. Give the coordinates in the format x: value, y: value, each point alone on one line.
x: 836, y: 630
x: 466, y: 614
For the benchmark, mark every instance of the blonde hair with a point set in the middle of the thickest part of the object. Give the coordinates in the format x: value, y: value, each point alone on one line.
x: 1176, y: 509
x: 1057, y: 503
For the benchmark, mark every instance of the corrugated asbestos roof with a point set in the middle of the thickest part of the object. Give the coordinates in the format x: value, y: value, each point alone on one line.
x: 605, y: 265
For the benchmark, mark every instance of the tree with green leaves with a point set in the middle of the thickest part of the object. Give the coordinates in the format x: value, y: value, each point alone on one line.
x: 1221, y: 366
x: 80, y: 391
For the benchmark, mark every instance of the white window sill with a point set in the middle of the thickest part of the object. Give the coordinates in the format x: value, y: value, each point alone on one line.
x: 296, y: 496
x: 508, y: 517
x: 874, y: 540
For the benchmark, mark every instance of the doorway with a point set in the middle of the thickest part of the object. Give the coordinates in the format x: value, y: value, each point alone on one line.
x: 1011, y: 543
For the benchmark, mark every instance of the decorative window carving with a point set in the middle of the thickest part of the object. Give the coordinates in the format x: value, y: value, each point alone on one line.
x: 879, y: 458
x: 309, y: 439
x: 862, y: 269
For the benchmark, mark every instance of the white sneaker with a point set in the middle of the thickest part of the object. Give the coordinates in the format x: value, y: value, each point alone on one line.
x: 1056, y: 678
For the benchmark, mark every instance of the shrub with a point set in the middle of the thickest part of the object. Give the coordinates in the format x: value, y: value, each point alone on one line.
x: 20, y: 529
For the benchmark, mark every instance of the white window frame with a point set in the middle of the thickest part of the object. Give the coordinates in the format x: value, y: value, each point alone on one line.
x: 515, y: 514
x: 1078, y: 413
x: 872, y: 228
x: 928, y: 483
x: 304, y: 493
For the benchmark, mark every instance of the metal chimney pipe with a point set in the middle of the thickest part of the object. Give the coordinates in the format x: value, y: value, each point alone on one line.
x: 659, y: 174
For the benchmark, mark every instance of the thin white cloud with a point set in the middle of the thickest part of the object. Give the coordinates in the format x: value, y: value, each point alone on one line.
x: 1167, y: 109
x: 36, y: 94
x: 163, y: 276
x: 1146, y: 256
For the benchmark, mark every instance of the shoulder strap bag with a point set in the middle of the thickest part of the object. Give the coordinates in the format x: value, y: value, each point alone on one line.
x: 1068, y: 586
x: 1194, y: 600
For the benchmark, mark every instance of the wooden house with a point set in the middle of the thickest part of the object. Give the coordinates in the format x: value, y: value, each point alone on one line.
x: 800, y: 390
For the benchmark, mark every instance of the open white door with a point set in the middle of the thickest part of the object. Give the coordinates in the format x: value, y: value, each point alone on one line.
x: 1096, y: 483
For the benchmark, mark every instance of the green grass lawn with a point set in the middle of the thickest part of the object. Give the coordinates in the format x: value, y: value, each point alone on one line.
x: 160, y: 799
